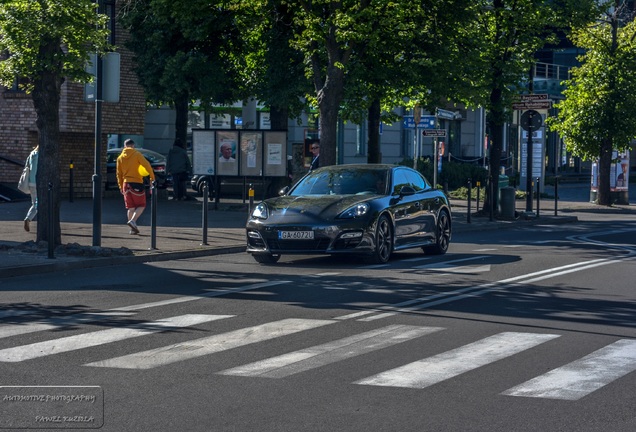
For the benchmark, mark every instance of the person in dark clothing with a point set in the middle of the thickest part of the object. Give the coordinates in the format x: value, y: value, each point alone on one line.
x: 315, y: 162
x: 178, y: 165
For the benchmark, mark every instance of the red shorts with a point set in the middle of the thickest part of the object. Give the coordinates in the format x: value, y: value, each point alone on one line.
x: 134, y: 195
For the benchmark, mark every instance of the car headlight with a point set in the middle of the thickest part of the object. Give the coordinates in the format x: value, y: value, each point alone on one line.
x: 355, y: 211
x: 260, y: 211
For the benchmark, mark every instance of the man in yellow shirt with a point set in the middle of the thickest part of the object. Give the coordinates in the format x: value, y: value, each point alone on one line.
x: 132, y: 166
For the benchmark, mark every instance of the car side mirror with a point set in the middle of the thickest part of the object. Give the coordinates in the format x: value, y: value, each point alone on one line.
x: 283, y: 191
x: 406, y: 191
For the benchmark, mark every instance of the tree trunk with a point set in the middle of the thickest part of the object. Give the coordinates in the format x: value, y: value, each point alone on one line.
x: 278, y: 118
x: 496, y: 117
x: 182, y: 106
x: 46, y: 101
x: 373, y: 154
x: 604, y: 168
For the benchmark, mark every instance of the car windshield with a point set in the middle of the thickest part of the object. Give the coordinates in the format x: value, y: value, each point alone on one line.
x: 343, y: 182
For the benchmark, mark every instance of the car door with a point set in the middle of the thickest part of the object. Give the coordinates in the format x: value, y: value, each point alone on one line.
x: 407, y: 210
x: 427, y: 204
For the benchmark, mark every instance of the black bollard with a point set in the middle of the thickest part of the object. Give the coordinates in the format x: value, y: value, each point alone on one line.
x: 50, y: 235
x: 251, y: 196
x: 470, y: 187
x: 556, y: 195
x: 205, y: 213
x: 492, y: 198
x: 478, y: 193
x: 153, y: 215
x: 538, y: 195
x: 70, y: 182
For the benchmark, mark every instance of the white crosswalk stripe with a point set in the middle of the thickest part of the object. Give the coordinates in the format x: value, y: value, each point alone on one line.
x: 57, y: 323
x: 432, y: 370
x: 582, y: 377
x: 571, y: 382
x: 209, y: 345
x: 100, y: 337
x: 320, y: 355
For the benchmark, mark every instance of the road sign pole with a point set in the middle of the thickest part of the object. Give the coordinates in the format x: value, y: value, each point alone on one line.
x: 529, y: 160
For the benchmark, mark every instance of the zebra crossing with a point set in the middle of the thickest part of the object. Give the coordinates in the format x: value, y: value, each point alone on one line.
x: 568, y: 382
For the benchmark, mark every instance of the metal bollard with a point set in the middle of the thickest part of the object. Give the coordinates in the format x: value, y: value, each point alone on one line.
x: 556, y: 195
x: 250, y: 193
x: 50, y: 235
x: 492, y: 199
x: 478, y: 193
x: 153, y: 215
x: 205, y: 213
x: 470, y: 187
x: 538, y: 195
x: 70, y: 182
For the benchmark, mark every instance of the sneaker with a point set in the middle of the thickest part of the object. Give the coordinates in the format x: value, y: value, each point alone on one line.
x: 27, y: 228
x: 133, y: 226
x: 131, y: 232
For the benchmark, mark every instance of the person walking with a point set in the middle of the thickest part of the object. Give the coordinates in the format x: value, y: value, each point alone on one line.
x: 32, y: 163
x: 131, y: 169
x: 178, y: 165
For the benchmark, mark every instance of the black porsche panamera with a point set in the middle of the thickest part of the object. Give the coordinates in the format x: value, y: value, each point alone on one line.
x: 365, y: 209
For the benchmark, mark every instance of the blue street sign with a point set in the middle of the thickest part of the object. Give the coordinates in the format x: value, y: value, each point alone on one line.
x: 426, y: 122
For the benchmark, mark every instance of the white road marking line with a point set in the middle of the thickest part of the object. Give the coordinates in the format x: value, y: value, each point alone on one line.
x: 210, y: 345
x: 321, y: 355
x: 327, y: 274
x: 100, y: 337
x: 460, y: 294
x: 208, y: 294
x: 426, y: 372
x: 582, y: 377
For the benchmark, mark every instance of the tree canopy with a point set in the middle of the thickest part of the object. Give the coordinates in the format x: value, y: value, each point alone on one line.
x: 597, y: 115
x: 46, y: 42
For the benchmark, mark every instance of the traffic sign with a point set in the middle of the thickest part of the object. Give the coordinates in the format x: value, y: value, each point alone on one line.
x: 535, y: 97
x: 434, y: 132
x: 531, y: 119
x: 426, y: 122
x: 532, y: 105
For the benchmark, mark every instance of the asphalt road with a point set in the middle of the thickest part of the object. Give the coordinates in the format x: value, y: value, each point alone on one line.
x: 520, y: 329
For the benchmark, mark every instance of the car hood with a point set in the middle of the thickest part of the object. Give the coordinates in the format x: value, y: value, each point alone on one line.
x: 309, y: 208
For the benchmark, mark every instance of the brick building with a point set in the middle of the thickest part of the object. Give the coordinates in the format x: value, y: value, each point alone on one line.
x: 19, y: 133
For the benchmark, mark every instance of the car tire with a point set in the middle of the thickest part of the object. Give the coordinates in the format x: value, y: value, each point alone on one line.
x: 442, y: 235
x: 383, y: 241
x: 265, y: 258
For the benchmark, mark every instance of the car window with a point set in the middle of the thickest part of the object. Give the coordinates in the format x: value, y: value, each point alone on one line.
x: 416, y: 181
x: 343, y: 182
x: 399, y: 181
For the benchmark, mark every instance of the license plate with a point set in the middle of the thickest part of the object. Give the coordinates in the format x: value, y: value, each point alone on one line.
x: 296, y: 235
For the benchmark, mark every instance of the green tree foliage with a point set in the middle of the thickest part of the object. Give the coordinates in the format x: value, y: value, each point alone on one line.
x: 186, y: 51
x: 598, y: 113
x: 275, y: 70
x: 45, y: 42
x: 506, y: 34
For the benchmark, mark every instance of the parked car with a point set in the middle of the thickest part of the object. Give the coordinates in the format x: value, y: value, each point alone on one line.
x: 370, y: 210
x: 157, y: 162
x: 237, y: 187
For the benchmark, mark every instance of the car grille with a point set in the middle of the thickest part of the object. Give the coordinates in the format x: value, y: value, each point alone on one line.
x: 296, y: 245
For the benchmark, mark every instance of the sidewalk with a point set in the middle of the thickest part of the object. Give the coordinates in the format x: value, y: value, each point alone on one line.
x: 180, y: 234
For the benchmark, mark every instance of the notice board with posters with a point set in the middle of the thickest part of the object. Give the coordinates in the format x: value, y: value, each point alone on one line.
x: 246, y: 153
x: 203, y: 152
x: 275, y: 154
x: 251, y: 153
